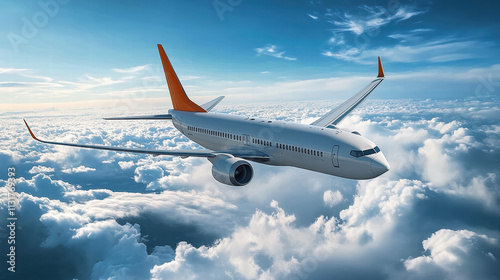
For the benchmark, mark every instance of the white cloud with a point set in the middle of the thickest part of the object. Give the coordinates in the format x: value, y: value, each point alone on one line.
x: 372, y: 18
x: 41, y: 169
x: 460, y: 254
x: 332, y: 198
x: 313, y: 16
x: 148, y: 174
x: 11, y: 70
x: 126, y: 164
x: 97, y: 82
x: 431, y: 51
x: 192, y: 226
x: 272, y: 50
x: 79, y: 169
x: 336, y: 40
x: 411, y: 46
x: 188, y: 78
x: 132, y: 70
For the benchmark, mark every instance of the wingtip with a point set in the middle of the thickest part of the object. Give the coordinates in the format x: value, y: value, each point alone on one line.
x: 31, y: 132
x: 380, y: 69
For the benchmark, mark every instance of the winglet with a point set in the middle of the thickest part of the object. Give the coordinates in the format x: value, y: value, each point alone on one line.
x: 31, y: 132
x: 179, y: 98
x: 380, y: 69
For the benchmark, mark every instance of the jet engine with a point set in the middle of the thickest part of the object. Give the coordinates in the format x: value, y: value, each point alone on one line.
x: 231, y: 171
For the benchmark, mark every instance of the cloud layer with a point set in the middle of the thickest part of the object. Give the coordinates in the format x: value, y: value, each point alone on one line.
x: 435, y: 215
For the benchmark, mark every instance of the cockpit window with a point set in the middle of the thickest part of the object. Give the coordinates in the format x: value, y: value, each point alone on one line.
x: 356, y: 153
x: 369, y: 152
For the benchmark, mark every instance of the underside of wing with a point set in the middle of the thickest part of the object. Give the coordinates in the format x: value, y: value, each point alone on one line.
x: 150, y: 117
x: 246, y: 154
x: 332, y: 118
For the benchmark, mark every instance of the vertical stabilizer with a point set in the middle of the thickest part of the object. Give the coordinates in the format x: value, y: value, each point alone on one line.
x: 380, y: 69
x: 179, y: 98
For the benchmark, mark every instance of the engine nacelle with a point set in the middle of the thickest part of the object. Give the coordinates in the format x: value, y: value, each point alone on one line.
x: 232, y: 171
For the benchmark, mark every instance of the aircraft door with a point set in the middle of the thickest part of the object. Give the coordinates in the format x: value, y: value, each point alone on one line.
x: 335, y: 155
x: 246, y: 139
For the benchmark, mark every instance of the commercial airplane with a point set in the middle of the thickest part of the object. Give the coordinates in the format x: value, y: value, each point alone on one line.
x: 232, y: 140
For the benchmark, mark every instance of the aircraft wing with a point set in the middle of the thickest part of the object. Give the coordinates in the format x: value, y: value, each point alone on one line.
x: 246, y: 154
x: 332, y: 118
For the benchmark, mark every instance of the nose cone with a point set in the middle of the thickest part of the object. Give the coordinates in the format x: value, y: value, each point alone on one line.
x: 379, y: 165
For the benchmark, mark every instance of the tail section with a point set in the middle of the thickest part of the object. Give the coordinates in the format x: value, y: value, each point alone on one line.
x: 380, y: 69
x: 179, y: 98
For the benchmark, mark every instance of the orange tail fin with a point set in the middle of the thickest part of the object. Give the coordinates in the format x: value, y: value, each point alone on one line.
x: 380, y: 69
x: 179, y: 98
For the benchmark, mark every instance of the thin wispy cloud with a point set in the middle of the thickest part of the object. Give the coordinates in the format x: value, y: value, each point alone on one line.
x: 412, y: 36
x: 422, y: 30
x: 131, y: 70
x: 26, y: 83
x: 11, y: 70
x: 443, y: 50
x: 337, y: 40
x: 372, y: 17
x: 97, y: 82
x: 272, y: 50
x: 313, y: 16
x: 188, y: 78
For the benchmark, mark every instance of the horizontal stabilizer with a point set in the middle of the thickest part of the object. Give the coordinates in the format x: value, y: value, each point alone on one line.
x: 211, y: 104
x: 150, y: 117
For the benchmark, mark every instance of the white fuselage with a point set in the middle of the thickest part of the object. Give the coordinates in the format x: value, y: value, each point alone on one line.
x: 309, y: 147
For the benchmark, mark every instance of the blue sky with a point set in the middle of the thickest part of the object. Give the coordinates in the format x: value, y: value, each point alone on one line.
x: 245, y: 49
